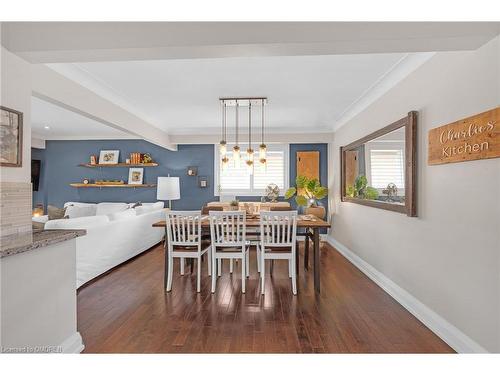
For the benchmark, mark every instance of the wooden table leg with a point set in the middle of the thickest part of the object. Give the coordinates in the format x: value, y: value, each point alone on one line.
x: 306, y: 251
x: 165, y: 279
x: 316, y: 245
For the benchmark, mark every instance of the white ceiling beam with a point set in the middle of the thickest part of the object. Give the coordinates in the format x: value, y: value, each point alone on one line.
x: 52, y: 42
x: 57, y: 89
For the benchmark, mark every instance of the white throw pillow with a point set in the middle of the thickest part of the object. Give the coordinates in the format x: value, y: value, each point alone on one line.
x: 122, y: 215
x: 110, y: 208
x: 78, y: 223
x: 73, y: 212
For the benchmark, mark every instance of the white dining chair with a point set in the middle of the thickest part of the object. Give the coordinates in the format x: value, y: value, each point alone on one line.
x: 228, y: 241
x: 185, y: 241
x: 278, y: 235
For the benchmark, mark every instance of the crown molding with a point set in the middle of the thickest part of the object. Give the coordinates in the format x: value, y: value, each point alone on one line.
x: 399, y: 71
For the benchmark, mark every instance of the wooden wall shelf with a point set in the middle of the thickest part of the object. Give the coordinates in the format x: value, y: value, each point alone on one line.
x: 119, y: 165
x: 80, y: 185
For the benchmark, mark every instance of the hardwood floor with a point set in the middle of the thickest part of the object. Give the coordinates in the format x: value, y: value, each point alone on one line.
x: 127, y: 311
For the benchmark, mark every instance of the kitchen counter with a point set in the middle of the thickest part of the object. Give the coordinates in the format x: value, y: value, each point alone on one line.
x: 23, y: 242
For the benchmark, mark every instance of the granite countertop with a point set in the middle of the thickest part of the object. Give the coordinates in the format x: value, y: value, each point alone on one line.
x: 22, y: 242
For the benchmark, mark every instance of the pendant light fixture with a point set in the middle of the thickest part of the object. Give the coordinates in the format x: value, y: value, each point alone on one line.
x: 262, y: 147
x: 250, y: 149
x: 236, y: 151
x: 236, y: 148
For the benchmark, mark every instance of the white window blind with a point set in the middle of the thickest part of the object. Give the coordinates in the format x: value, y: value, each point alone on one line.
x: 274, y: 172
x: 387, y: 166
x: 237, y: 181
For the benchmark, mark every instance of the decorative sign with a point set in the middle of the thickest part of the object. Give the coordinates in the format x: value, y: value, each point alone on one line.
x: 473, y: 138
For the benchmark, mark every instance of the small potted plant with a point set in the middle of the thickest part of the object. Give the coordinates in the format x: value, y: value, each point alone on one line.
x: 361, y: 189
x: 307, y: 192
x: 235, y: 205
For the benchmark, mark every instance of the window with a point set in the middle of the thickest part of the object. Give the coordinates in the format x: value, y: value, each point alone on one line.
x: 237, y: 181
x: 387, y: 166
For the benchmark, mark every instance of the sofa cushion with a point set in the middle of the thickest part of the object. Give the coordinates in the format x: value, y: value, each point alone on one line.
x: 78, y: 223
x: 73, y: 211
x: 110, y: 208
x: 149, y: 207
x: 122, y: 215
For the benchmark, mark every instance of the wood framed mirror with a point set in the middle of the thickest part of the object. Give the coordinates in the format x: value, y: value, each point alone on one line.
x: 380, y: 170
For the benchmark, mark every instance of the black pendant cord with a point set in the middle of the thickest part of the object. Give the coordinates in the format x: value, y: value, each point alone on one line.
x: 224, y: 130
x: 262, y: 135
x: 249, y: 125
x: 237, y: 115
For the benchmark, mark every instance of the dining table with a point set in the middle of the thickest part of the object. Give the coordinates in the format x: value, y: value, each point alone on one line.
x: 308, y: 226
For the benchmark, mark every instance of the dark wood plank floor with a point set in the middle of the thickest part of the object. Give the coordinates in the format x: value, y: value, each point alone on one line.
x: 127, y: 311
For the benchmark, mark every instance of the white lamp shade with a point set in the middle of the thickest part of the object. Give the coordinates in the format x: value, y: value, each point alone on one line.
x: 168, y: 188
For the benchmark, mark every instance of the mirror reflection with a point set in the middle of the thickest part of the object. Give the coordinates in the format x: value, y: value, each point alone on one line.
x: 375, y: 170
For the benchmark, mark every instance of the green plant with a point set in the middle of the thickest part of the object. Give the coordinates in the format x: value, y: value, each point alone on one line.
x: 310, y: 190
x: 361, y: 189
x: 234, y: 203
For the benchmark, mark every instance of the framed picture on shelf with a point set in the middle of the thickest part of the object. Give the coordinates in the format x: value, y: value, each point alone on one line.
x: 109, y: 156
x: 11, y: 137
x: 135, y: 176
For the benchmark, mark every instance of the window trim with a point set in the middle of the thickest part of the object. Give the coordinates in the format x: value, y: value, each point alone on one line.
x: 285, y: 147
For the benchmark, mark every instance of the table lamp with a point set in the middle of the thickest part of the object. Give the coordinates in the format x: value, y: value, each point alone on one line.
x: 168, y: 189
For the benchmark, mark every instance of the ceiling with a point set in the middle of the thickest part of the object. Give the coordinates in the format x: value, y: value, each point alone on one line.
x: 170, y: 75
x: 306, y: 93
x: 65, y: 124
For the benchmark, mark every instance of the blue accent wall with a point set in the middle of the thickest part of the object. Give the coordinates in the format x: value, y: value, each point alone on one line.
x: 323, y: 165
x: 62, y: 168
x: 61, y: 159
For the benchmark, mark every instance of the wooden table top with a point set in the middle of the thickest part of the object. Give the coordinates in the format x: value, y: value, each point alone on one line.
x: 255, y: 222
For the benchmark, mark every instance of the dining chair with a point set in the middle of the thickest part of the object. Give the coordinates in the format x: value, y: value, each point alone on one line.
x: 278, y: 233
x: 306, y: 249
x: 228, y: 241
x: 185, y: 241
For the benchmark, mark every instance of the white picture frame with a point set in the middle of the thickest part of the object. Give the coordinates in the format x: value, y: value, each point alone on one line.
x: 109, y: 156
x: 135, y: 176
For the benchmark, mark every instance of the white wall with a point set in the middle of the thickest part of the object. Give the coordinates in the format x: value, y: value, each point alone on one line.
x: 449, y: 257
x: 16, y: 94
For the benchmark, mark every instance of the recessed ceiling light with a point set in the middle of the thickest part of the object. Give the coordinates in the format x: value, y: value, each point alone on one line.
x: 46, y: 127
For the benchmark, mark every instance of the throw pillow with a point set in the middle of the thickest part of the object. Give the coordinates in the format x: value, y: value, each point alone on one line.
x: 55, y: 212
x: 73, y: 211
x: 134, y: 205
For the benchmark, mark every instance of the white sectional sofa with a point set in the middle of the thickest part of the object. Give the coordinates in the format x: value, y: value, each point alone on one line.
x: 115, y: 233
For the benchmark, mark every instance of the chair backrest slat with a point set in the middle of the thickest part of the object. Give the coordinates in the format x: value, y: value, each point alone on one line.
x: 228, y: 228
x: 278, y: 228
x: 184, y: 228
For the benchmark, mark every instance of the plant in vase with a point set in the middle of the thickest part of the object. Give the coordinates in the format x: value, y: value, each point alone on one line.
x: 307, y: 192
x: 235, y: 205
x: 361, y: 189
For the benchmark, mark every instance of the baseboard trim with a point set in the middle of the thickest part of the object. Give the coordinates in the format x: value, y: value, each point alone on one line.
x: 73, y: 344
x: 450, y: 334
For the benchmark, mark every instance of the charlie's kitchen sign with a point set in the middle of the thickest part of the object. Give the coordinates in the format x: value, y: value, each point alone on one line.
x: 475, y: 137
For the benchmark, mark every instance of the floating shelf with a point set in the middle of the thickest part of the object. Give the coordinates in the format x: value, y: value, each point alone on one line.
x: 80, y: 185
x: 119, y: 165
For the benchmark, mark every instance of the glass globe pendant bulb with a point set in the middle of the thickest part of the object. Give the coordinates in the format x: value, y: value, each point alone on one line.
x: 250, y: 153
x: 263, y: 164
x: 249, y: 166
x: 225, y: 162
x: 236, y: 156
x: 223, y: 148
x: 262, y: 151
